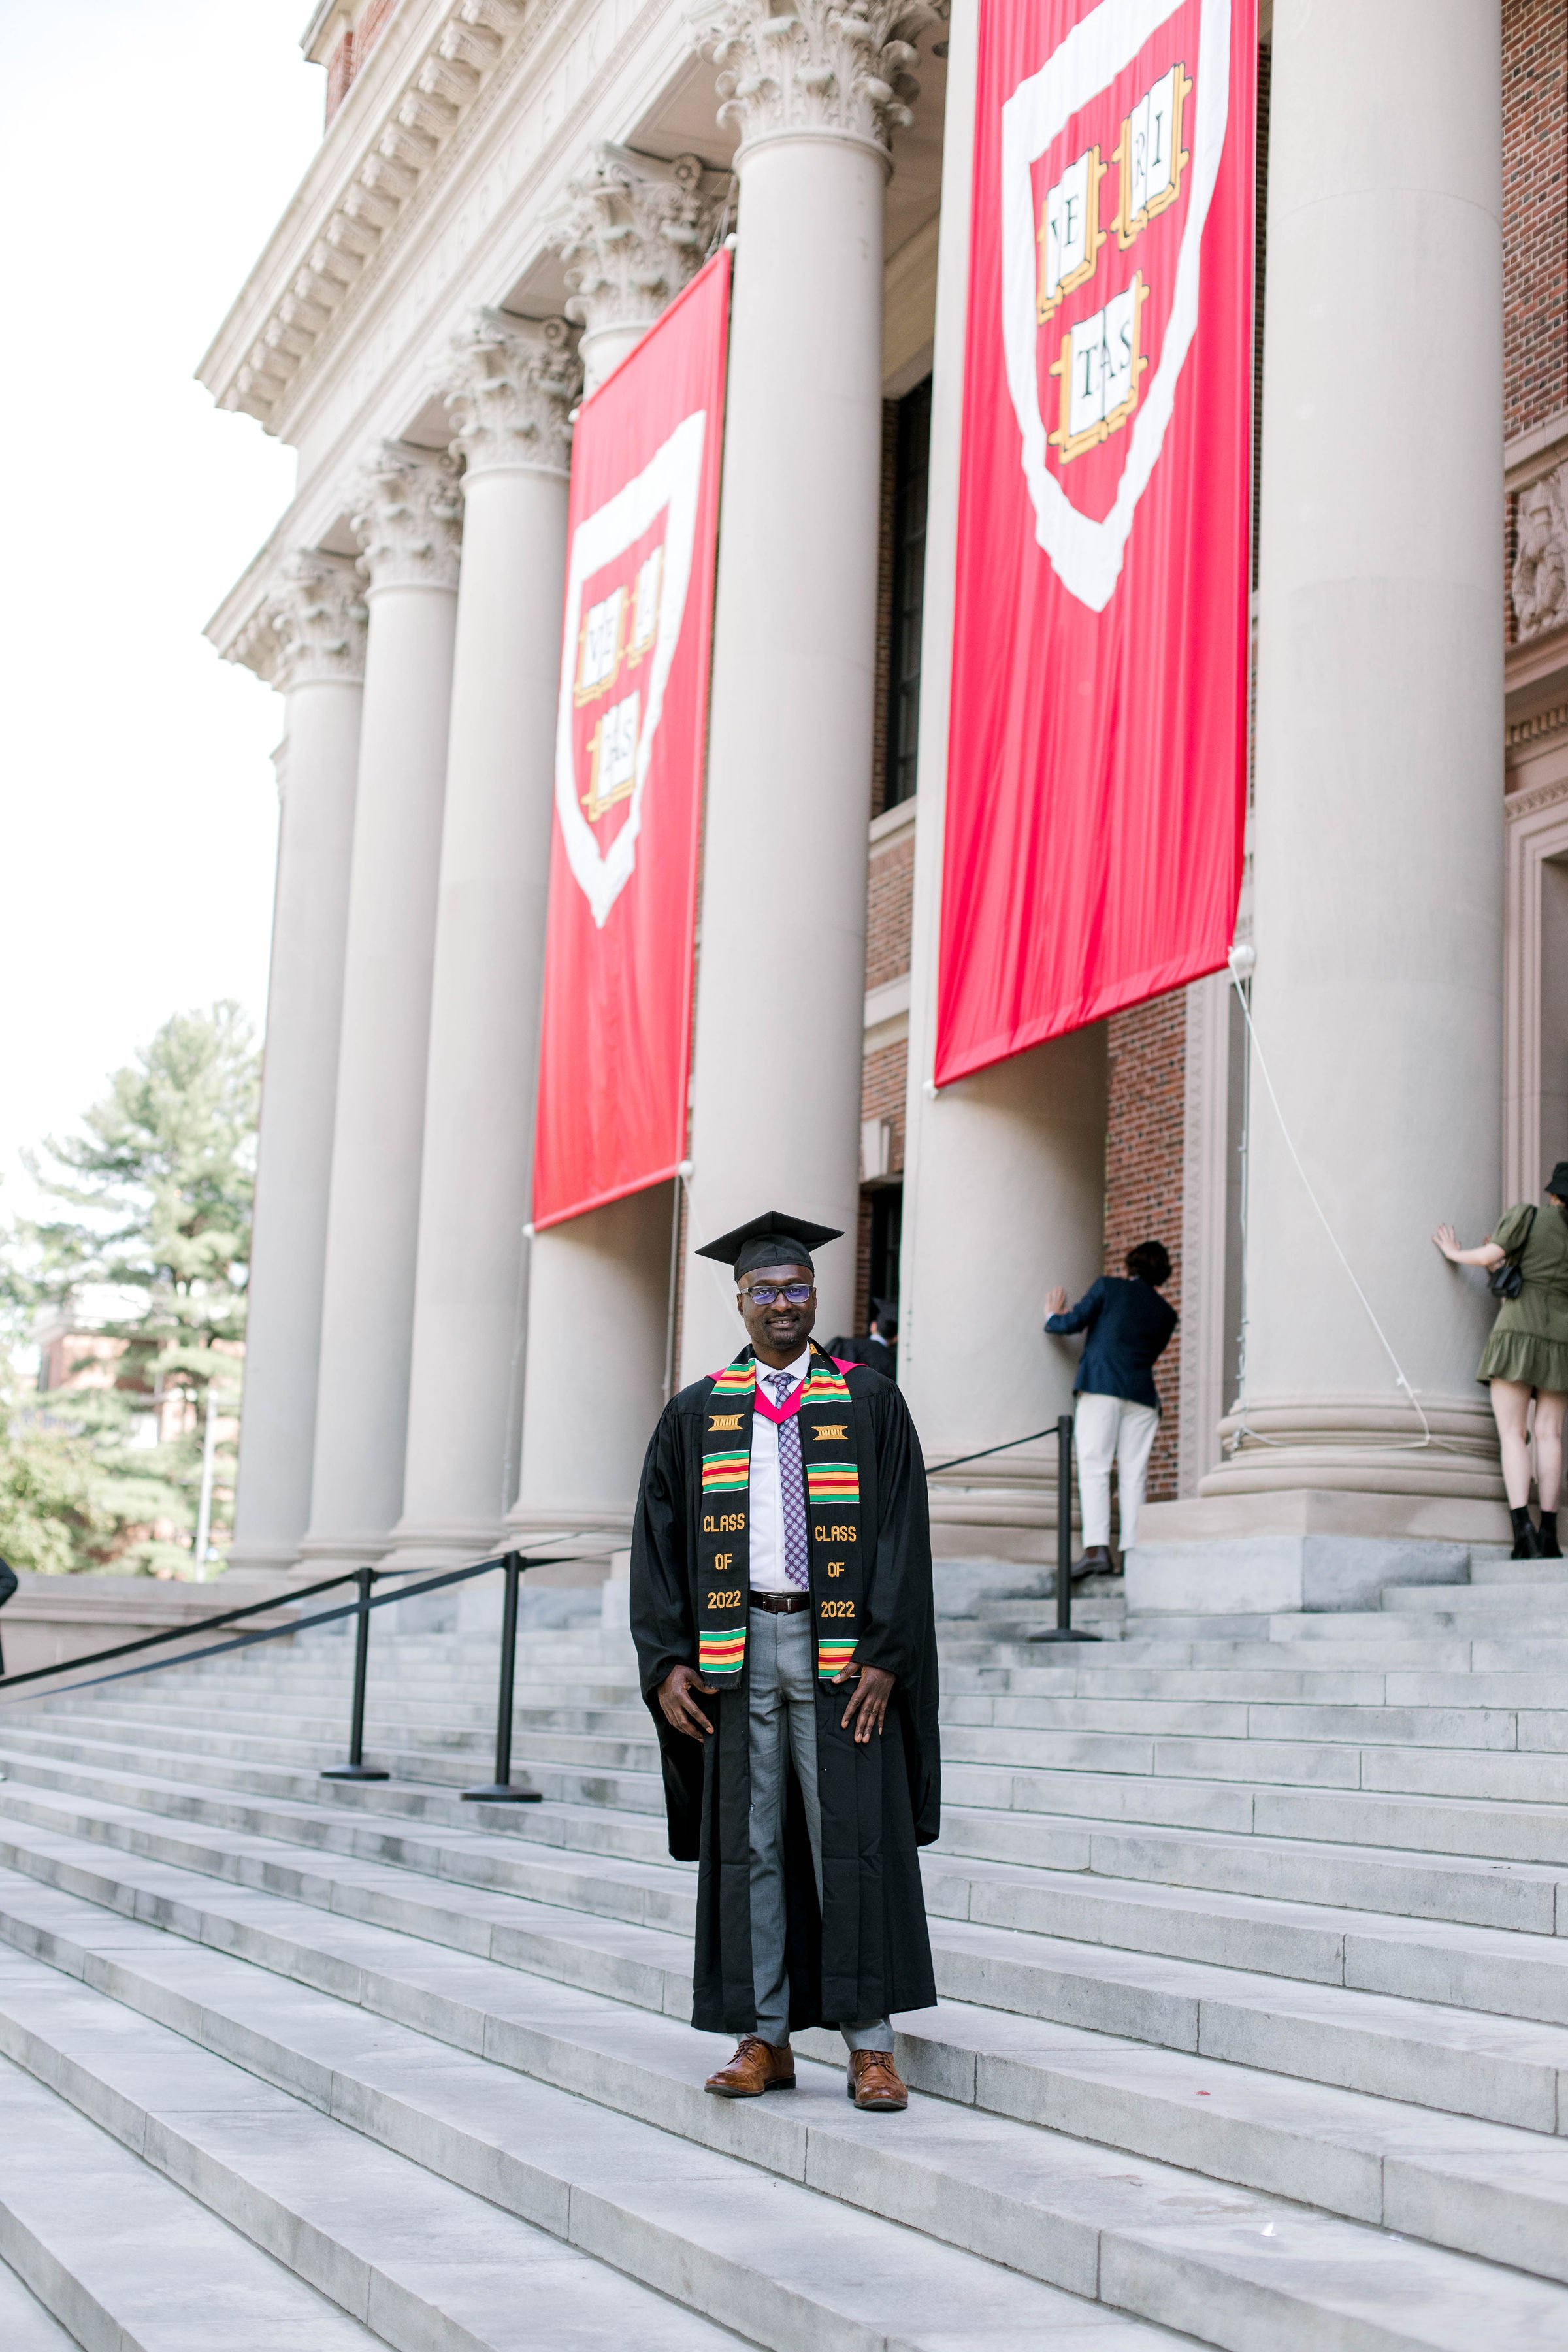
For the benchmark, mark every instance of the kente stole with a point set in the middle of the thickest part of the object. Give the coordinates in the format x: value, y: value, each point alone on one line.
x: 833, y: 1546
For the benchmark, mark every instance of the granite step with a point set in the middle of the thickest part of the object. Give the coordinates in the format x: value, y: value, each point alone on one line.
x: 1234, y: 2266
x: 375, y: 2134
x: 121, y: 2256
x: 1498, y: 1973
x: 1474, y: 2187
x: 1446, y: 1800
x: 1461, y: 2061
x: 456, y: 1840
x: 1493, y: 1755
x: 25, y: 2325
x: 424, y: 1782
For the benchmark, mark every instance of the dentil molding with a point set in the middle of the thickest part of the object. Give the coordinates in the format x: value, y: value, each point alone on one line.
x: 632, y: 232
x: 517, y: 380
x: 423, y: 113
x: 408, y: 518
x: 816, y: 65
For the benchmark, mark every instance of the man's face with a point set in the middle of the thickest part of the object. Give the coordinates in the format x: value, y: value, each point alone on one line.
x: 773, y: 1321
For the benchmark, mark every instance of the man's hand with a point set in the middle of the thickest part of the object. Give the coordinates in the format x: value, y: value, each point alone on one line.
x: 1056, y: 1301
x: 867, y: 1707
x: 679, y: 1708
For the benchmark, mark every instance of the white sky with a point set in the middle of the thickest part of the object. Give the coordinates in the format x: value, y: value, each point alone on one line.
x: 147, y: 148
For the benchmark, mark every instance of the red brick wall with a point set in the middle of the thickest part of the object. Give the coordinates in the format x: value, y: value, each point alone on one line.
x: 340, y: 73
x: 889, y: 911
x: 369, y: 27
x: 1535, y: 217
x: 352, y: 52
x: 1143, y: 1155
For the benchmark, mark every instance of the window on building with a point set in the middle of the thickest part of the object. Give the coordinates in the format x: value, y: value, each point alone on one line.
x: 910, y: 484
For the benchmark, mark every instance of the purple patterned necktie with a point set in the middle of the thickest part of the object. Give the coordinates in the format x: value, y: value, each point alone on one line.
x: 792, y: 1485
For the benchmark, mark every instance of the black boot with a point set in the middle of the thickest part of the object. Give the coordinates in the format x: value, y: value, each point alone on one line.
x: 1550, y: 1546
x: 1526, y: 1542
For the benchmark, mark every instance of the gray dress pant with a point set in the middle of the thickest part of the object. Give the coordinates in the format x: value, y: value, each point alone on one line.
x: 782, y: 1668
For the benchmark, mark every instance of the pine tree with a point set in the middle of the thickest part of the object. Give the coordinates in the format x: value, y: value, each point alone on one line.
x: 150, y: 1226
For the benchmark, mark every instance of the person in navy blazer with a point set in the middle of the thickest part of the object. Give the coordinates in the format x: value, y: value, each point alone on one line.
x: 1118, y: 1409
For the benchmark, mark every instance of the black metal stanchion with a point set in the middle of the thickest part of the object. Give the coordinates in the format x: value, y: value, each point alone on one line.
x: 501, y: 1791
x: 357, y: 1769
x: 1064, y: 1629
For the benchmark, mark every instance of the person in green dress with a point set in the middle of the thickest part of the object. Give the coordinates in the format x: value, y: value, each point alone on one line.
x: 1527, y: 1355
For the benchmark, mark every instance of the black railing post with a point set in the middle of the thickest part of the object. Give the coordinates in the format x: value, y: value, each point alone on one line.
x: 501, y: 1791
x: 357, y: 1769
x: 1064, y: 1629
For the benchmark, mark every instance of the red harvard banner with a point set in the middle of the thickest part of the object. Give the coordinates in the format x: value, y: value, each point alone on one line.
x: 1097, y: 762
x: 641, y: 535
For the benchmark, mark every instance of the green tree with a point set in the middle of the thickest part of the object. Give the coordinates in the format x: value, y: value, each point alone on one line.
x: 144, y: 1244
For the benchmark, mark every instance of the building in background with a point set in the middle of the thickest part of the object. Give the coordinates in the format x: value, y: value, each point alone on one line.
x: 506, y: 197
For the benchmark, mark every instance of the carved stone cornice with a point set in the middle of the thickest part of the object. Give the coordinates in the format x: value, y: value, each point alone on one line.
x: 1533, y: 802
x: 316, y: 613
x: 419, y: 113
x: 408, y: 518
x: 632, y: 231
x: 517, y: 380
x: 816, y: 65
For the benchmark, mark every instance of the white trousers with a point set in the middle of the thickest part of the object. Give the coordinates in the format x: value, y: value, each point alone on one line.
x: 1111, y: 1429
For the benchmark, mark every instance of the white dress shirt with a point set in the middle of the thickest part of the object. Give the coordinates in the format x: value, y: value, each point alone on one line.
x: 768, y: 1573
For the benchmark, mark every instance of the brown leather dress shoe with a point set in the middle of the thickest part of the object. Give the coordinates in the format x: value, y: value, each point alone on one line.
x: 755, y: 2068
x: 874, y: 2084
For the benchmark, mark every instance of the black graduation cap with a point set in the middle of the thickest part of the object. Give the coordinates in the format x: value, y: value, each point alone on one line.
x: 771, y: 1239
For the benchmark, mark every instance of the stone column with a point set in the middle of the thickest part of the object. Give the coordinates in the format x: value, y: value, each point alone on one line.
x: 815, y: 96
x: 408, y: 527
x: 1004, y: 1171
x: 515, y: 385
x: 632, y: 233
x: 1379, y: 841
x: 311, y: 645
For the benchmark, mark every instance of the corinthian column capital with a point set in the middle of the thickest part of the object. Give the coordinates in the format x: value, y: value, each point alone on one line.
x: 818, y: 65
x: 315, y: 615
x: 407, y: 519
x: 631, y: 232
x: 516, y: 383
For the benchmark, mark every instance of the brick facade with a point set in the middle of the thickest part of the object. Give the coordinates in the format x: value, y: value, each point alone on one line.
x: 1143, y: 1155
x: 1535, y: 216
x: 889, y: 911
x: 352, y: 49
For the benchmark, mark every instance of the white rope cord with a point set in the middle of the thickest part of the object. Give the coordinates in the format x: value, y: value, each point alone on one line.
x: 1403, y: 1445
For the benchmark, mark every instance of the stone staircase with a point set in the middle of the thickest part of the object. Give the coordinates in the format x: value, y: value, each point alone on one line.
x: 1251, y: 1935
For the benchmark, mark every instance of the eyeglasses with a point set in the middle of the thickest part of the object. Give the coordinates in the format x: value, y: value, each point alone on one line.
x: 762, y: 1294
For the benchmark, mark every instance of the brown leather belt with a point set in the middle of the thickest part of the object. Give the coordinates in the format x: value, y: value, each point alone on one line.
x: 781, y: 1604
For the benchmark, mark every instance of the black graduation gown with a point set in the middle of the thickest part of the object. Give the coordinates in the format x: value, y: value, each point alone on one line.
x: 865, y: 1953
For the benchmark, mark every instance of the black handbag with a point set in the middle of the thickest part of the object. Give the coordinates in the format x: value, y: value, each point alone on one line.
x: 1506, y: 1280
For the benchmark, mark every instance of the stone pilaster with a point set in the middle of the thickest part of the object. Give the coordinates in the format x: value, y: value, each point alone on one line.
x: 516, y: 383
x: 633, y: 230
x: 407, y: 515
x: 308, y: 640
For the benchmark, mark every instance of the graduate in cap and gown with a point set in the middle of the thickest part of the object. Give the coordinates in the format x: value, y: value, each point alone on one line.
x: 781, y: 1604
